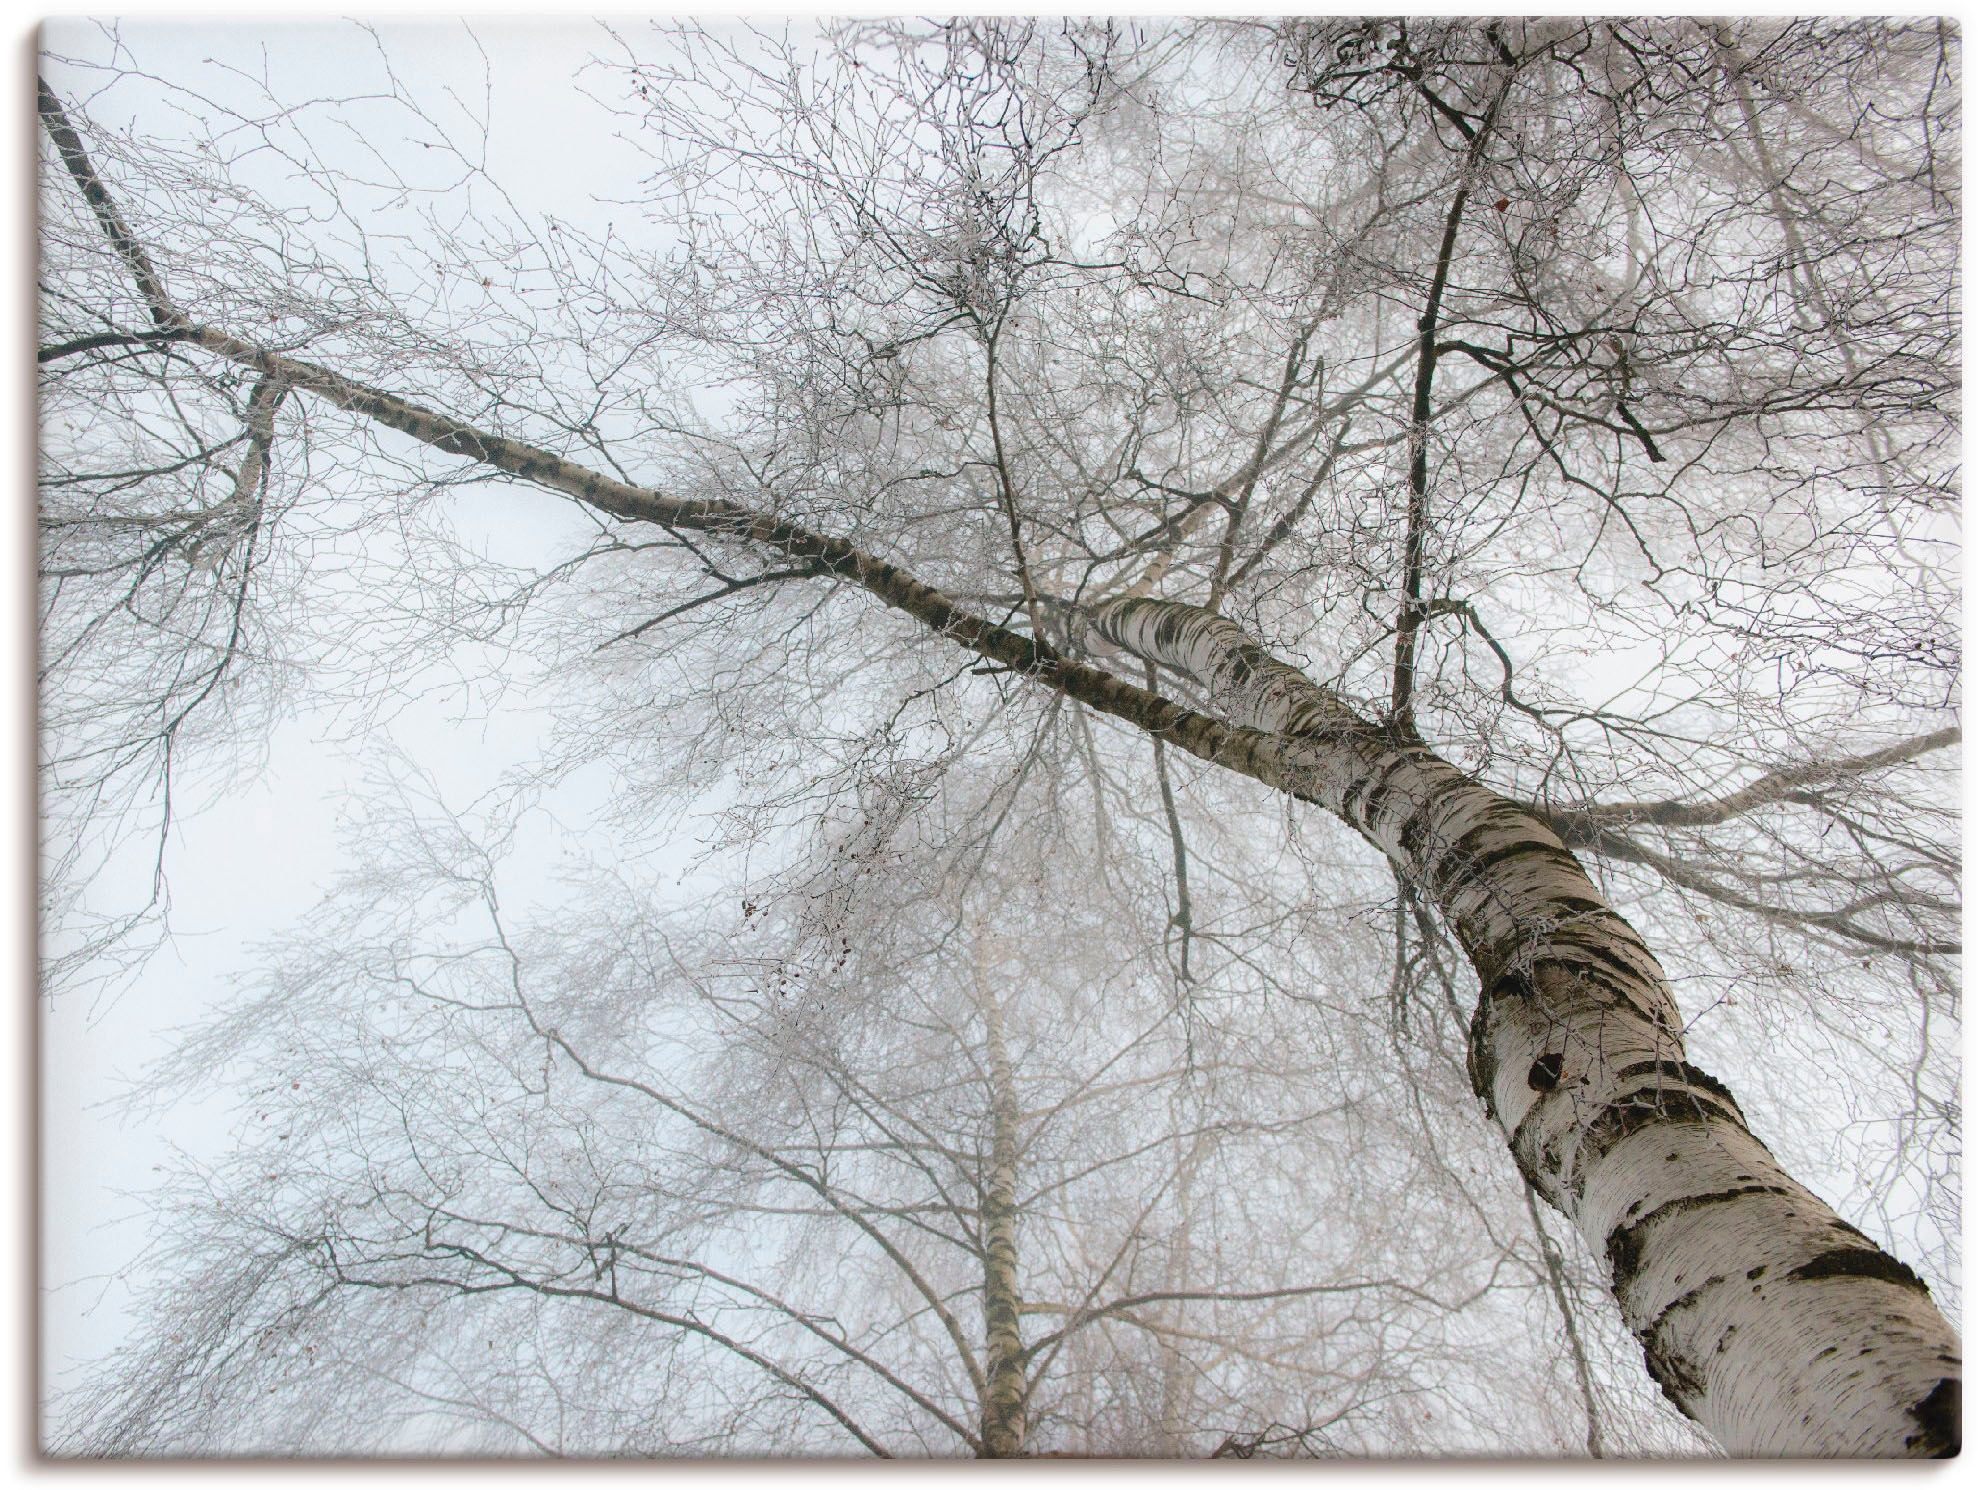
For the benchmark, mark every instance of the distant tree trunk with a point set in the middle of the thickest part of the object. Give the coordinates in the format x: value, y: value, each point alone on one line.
x: 1177, y: 1378
x: 1762, y: 1314
x: 1555, y: 1273
x: 1003, y: 1401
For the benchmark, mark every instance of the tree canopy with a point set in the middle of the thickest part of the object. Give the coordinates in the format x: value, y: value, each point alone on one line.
x: 1207, y: 594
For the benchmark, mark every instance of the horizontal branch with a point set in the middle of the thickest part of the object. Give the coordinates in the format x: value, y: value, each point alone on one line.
x: 1581, y: 826
x: 1610, y: 844
x: 1082, y: 1317
x: 160, y: 337
x: 617, y: 1247
x: 1246, y: 750
x: 687, y: 1322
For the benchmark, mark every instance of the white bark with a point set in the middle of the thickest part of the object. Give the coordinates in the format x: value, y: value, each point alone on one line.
x: 1762, y: 1314
x: 1007, y: 1386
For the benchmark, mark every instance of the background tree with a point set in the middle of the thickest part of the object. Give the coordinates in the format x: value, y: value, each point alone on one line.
x: 836, y: 1176
x: 1574, y: 395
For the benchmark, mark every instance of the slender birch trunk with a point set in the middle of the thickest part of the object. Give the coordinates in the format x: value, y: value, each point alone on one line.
x: 1004, y: 1400
x: 1762, y: 1314
x: 1177, y: 1379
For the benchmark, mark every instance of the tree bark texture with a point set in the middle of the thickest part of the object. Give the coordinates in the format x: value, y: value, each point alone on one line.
x: 1004, y: 1360
x: 1762, y: 1314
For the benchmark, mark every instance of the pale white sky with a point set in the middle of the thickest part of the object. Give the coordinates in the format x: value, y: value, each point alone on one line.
x: 251, y: 857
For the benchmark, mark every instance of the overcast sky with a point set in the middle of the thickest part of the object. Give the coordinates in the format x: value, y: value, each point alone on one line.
x: 253, y: 853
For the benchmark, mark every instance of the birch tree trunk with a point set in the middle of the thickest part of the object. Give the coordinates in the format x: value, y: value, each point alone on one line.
x: 1762, y: 1314
x: 1003, y: 1401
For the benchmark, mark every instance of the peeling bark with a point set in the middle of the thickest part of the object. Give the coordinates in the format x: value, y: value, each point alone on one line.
x: 1761, y: 1314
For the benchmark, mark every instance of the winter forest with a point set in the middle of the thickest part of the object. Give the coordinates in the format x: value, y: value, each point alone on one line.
x: 1192, y: 738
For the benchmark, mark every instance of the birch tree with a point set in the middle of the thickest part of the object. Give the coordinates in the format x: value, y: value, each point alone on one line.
x: 744, y: 1191
x: 1570, y: 403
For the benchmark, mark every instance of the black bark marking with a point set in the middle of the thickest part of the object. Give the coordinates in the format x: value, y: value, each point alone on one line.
x: 1482, y: 1064
x: 1683, y: 1072
x: 1548, y: 1157
x: 1624, y: 1255
x: 1636, y: 1111
x: 1495, y: 961
x: 1466, y: 865
x: 1414, y: 834
x: 1598, y: 950
x: 1545, y: 1072
x: 1679, y: 1377
x: 1860, y: 1262
x: 1576, y: 905
x: 1685, y: 1301
x: 1546, y: 1161
x: 1939, y: 1422
x: 1364, y: 801
x: 1626, y: 1243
